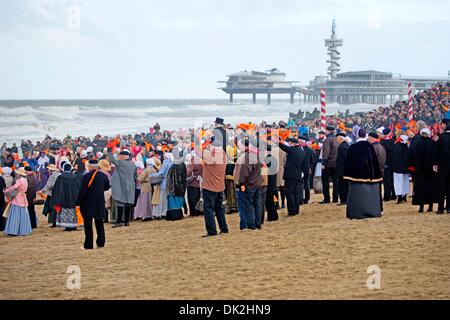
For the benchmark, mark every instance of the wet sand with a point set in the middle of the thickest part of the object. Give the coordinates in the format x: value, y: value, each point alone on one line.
x: 317, y: 255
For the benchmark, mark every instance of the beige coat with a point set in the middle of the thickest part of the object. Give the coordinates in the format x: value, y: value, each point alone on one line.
x: 281, y: 158
x: 144, y: 179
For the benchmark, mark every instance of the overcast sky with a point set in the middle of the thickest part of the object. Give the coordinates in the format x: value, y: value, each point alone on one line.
x: 87, y: 49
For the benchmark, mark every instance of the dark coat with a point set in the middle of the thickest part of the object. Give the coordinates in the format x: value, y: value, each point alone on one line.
x: 66, y: 189
x: 2, y: 195
x: 340, y: 159
x: 176, y: 180
x: 399, y: 154
x: 32, y: 188
x: 361, y: 164
x: 272, y: 165
x: 423, y: 156
x: 92, y: 200
x: 296, y: 162
x: 443, y: 150
x: 310, y: 158
x: 329, y: 151
x: 388, y: 145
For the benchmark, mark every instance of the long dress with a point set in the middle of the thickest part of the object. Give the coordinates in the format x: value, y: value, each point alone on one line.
x: 159, y: 199
x: 363, y: 174
x: 176, y: 189
x: 143, y: 207
x: 18, y: 222
x: 65, y: 194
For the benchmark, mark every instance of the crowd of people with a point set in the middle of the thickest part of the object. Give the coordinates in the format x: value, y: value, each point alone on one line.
x: 251, y: 169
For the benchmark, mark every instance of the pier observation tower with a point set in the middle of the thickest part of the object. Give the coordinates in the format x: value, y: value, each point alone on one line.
x: 333, y: 43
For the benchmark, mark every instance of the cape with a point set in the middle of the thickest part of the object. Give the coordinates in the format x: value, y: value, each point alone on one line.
x: 361, y: 164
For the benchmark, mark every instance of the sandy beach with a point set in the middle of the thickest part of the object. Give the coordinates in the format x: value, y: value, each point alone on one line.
x: 317, y: 255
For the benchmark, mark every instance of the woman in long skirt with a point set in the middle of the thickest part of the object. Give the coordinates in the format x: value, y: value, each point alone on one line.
x: 18, y: 223
x: 143, y: 208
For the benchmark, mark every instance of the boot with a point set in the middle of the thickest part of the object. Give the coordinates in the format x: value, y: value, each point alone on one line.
x: 421, y: 208
x: 404, y: 198
x: 399, y: 199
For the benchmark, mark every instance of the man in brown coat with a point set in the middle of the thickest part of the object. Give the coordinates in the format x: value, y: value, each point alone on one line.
x: 329, y: 155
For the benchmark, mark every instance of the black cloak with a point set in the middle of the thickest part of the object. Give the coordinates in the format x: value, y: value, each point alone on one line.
x: 66, y: 189
x: 361, y: 164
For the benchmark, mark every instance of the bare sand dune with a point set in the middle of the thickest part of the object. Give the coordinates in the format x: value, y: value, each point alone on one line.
x: 317, y: 255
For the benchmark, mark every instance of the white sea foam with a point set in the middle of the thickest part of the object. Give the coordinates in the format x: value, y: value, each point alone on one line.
x: 33, y: 120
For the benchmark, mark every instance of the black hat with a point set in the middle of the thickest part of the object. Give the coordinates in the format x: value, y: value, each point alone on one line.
x: 93, y: 162
x: 28, y: 168
x: 362, y: 133
x: 386, y: 131
x: 293, y: 140
x: 124, y: 152
x: 330, y: 128
x: 374, y: 135
x: 219, y: 121
x: 321, y: 132
x: 341, y: 134
x: 303, y: 137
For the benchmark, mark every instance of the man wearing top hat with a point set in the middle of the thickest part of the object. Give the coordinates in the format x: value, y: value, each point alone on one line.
x: 219, y: 133
x: 329, y: 155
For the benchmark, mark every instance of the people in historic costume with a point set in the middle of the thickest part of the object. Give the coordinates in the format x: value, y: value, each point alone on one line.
x: 230, y: 190
x: 2, y: 201
x: 399, y: 165
x: 296, y: 167
x: 362, y: 172
x: 193, y: 177
x: 307, y: 178
x: 281, y: 159
x: 143, y: 208
x: 176, y: 189
x: 443, y: 162
x: 160, y: 178
x: 423, y: 162
x: 373, y: 138
x: 64, y: 198
x: 91, y: 200
x: 123, y: 184
x: 340, y: 164
x: 105, y: 167
x: 18, y: 222
x: 42, y: 172
x: 271, y: 164
x: 31, y: 196
x: 388, y: 178
x: 329, y: 154
x: 47, y: 192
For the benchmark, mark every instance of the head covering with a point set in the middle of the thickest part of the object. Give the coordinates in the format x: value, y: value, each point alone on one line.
x: 99, y: 155
x: 330, y: 128
x: 93, y: 162
x: 52, y: 167
x: 28, y: 169
x: 386, y: 131
x: 380, y: 129
x: 89, y: 149
x: 124, y: 152
x: 293, y: 140
x: 425, y: 131
x: 404, y: 138
x: 139, y: 164
x: 219, y: 121
x: 303, y: 138
x: 321, y: 132
x: 21, y: 172
x: 6, y: 171
x: 374, y: 135
x: 362, y: 133
x: 150, y: 162
x: 341, y: 134
x: 84, y: 154
x: 168, y: 156
x: 67, y: 167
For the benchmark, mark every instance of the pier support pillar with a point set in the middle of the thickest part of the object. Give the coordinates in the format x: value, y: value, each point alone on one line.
x: 254, y: 98
x: 231, y: 98
x: 269, y: 100
x: 292, y: 98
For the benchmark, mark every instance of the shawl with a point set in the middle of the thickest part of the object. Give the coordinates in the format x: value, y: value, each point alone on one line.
x: 361, y: 164
x: 176, y: 180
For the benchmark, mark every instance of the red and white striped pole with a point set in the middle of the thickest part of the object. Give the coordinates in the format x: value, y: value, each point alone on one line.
x: 323, y: 109
x: 410, y: 102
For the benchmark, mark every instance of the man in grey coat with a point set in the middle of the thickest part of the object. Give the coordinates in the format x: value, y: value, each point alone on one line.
x: 123, y: 185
